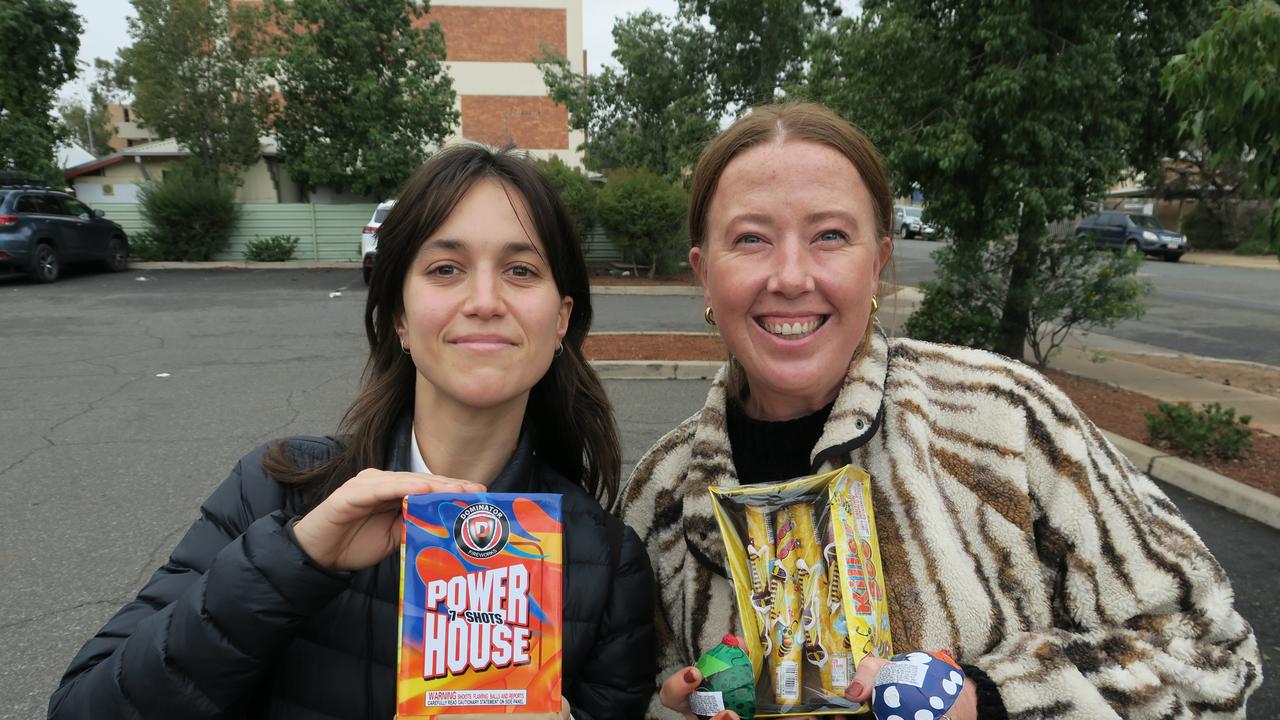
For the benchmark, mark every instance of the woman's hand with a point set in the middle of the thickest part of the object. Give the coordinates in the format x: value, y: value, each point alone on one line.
x: 360, y: 524
x: 676, y: 690
x: 859, y: 691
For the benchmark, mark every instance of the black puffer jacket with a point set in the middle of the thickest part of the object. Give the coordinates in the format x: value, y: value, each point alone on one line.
x: 241, y: 624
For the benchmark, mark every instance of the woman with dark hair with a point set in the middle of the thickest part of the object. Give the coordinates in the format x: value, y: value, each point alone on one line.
x: 1011, y: 531
x: 281, y: 600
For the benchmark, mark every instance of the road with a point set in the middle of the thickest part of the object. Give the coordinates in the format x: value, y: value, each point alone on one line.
x: 127, y: 400
x: 1220, y: 312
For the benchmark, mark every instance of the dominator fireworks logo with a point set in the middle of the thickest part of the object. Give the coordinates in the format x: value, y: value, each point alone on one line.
x: 482, y: 530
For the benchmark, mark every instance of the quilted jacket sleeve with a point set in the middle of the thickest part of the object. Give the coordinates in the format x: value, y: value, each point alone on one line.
x: 200, y: 635
x: 1144, y: 624
x: 618, y: 680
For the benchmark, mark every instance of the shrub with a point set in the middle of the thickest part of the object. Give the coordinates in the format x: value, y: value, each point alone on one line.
x: 1255, y: 245
x: 143, y: 247
x: 1074, y: 288
x: 1264, y: 238
x: 276, y: 248
x: 191, y: 212
x: 1205, y: 229
x: 576, y: 192
x: 962, y: 304
x: 644, y: 214
x: 1211, y: 431
x: 1079, y: 288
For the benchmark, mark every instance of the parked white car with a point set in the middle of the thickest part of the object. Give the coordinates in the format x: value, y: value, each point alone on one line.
x: 369, y: 238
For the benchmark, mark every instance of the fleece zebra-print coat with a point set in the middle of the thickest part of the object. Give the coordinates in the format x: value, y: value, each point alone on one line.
x: 1011, y: 532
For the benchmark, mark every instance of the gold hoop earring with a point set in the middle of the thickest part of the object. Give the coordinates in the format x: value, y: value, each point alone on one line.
x: 875, y: 306
x: 710, y: 316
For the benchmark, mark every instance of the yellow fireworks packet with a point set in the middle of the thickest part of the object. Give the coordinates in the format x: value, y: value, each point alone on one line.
x: 804, y: 560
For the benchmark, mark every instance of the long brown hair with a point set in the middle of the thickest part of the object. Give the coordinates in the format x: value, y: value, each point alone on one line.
x: 568, y: 416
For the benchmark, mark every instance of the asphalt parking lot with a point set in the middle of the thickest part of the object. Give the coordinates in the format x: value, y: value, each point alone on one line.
x: 128, y: 397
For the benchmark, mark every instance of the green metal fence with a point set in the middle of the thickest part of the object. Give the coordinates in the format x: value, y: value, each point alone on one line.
x: 599, y: 249
x: 324, y: 232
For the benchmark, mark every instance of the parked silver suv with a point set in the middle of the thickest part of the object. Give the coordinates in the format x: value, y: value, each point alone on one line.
x: 909, y: 223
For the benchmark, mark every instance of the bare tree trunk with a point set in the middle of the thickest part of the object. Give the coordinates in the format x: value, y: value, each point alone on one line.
x: 1016, y: 317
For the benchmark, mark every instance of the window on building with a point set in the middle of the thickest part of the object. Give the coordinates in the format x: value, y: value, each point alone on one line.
x: 126, y: 114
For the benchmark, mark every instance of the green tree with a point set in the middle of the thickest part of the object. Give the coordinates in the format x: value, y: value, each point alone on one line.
x: 576, y: 192
x: 196, y: 76
x: 1227, y: 85
x: 365, y: 92
x: 1008, y: 115
x: 88, y: 124
x: 39, y: 40
x: 656, y: 111
x: 678, y: 76
x: 644, y: 214
x: 758, y: 47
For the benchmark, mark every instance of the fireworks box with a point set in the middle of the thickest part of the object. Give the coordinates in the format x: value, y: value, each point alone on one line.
x: 805, y: 565
x: 480, y: 606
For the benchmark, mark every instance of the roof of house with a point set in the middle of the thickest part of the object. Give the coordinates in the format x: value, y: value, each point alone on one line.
x: 155, y: 149
x: 71, y: 153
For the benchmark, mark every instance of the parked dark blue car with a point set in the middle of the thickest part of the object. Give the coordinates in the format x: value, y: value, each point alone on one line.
x: 1133, y: 232
x: 42, y: 229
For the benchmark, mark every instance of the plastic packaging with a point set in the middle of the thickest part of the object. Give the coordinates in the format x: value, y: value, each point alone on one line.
x: 804, y: 560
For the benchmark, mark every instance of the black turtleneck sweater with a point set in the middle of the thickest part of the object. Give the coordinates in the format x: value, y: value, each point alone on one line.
x: 766, y: 451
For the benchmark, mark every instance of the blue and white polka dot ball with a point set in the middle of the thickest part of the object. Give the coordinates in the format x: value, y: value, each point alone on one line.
x: 916, y: 686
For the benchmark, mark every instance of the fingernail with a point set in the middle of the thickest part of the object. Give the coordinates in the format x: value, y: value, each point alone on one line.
x: 691, y: 676
x: 855, y: 690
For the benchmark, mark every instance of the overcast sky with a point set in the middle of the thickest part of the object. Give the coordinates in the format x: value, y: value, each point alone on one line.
x: 106, y: 32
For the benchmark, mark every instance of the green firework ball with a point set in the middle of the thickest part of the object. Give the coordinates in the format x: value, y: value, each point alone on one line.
x: 728, y: 681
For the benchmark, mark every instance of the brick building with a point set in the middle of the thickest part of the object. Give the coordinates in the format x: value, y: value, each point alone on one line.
x: 490, y: 45
x: 126, y: 131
